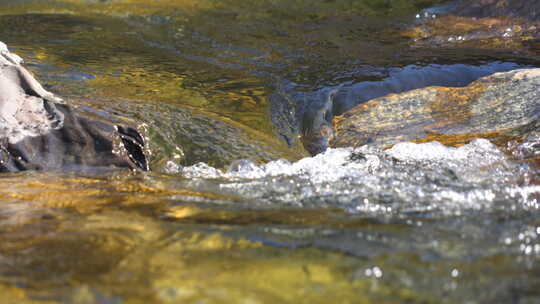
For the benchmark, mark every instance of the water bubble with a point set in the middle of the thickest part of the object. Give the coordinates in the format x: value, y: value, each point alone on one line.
x: 172, y: 167
x: 244, y: 168
x: 377, y: 272
x: 526, y: 249
x: 201, y: 170
x: 373, y: 272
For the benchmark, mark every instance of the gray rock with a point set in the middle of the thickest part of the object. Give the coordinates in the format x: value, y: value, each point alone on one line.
x: 38, y: 131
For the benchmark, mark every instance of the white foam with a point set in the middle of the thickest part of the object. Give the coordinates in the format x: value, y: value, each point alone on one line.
x: 427, y: 177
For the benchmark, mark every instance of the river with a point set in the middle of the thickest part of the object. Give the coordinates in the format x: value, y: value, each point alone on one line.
x: 417, y: 223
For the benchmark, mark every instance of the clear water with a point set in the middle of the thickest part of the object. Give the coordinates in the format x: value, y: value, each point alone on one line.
x: 417, y: 223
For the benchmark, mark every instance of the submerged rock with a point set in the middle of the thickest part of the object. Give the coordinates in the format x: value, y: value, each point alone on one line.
x: 486, y: 24
x: 501, y: 107
x: 499, y: 8
x: 38, y: 131
x: 180, y: 137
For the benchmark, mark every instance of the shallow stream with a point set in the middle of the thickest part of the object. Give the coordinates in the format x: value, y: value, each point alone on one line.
x: 417, y: 223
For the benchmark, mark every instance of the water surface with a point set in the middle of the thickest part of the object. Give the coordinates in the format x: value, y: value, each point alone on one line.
x: 414, y: 224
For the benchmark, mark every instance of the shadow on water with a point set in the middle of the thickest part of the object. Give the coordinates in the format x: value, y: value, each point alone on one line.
x: 212, y: 81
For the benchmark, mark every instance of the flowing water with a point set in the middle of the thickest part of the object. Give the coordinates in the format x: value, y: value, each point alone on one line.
x: 417, y: 223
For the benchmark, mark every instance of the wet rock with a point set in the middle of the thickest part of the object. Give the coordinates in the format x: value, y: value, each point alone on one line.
x: 499, y: 8
x: 312, y: 112
x: 486, y: 33
x: 501, y: 107
x: 38, y: 131
x: 304, y: 115
x: 412, y: 77
x: 487, y: 24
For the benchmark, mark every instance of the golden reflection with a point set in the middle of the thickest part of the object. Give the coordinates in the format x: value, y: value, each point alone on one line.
x: 86, y: 195
x: 112, y: 249
x: 335, y: 218
x: 13, y: 295
x: 257, y: 8
x: 127, y: 70
x: 149, y: 86
x: 114, y: 8
x: 136, y: 259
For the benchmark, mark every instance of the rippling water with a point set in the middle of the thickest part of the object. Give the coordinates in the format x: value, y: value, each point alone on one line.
x: 417, y: 223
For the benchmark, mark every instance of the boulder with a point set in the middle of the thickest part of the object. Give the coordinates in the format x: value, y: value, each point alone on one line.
x: 312, y: 112
x: 499, y: 8
x: 501, y: 25
x: 500, y: 107
x: 39, y: 131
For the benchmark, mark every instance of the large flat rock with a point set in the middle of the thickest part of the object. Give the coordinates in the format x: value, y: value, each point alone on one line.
x: 529, y: 9
x: 501, y: 107
x: 496, y: 25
